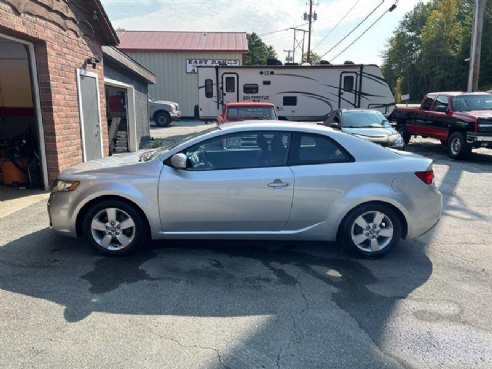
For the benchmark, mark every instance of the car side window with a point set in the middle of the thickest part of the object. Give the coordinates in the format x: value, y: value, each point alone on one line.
x: 308, y: 149
x: 239, y: 151
x: 440, y: 104
x: 426, y: 104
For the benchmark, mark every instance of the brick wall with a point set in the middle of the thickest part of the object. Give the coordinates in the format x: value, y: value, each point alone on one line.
x: 59, y: 53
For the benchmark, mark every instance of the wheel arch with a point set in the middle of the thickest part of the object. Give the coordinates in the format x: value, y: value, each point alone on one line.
x: 398, y: 212
x: 83, y: 211
x: 158, y: 111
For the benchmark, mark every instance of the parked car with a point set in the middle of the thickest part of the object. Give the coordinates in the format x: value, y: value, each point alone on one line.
x: 291, y: 181
x: 163, y: 112
x: 462, y: 121
x: 371, y: 125
x: 239, y: 111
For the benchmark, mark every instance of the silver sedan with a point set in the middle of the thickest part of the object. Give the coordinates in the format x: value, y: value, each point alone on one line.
x: 252, y: 180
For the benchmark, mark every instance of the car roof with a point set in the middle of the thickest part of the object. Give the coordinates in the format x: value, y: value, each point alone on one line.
x: 278, y: 125
x: 458, y: 93
x: 251, y: 103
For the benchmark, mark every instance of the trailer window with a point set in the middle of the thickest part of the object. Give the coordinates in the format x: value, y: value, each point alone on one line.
x: 230, y: 84
x: 290, y: 101
x: 209, y: 88
x: 250, y: 88
x: 348, y: 83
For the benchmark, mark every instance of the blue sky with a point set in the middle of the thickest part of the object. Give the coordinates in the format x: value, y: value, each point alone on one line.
x: 267, y: 16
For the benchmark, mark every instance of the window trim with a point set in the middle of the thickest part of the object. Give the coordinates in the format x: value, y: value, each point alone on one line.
x: 209, y: 88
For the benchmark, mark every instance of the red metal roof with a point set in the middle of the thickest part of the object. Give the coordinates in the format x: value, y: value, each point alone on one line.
x: 182, y: 41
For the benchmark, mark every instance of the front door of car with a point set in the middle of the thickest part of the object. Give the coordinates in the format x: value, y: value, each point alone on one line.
x: 237, y: 183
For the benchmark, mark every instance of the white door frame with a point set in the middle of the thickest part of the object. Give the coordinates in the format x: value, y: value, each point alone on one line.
x: 130, y: 113
x: 37, y: 106
x: 83, y: 72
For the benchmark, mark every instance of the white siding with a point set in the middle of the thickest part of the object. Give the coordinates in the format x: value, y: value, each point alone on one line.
x: 173, y: 83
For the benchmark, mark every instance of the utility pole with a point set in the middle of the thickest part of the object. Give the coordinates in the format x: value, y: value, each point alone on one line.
x: 476, y: 44
x: 298, y: 44
x: 308, y: 58
x: 289, y: 58
x: 311, y: 17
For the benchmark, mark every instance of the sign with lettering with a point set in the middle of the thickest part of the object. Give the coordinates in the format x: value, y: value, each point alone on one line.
x: 192, y: 64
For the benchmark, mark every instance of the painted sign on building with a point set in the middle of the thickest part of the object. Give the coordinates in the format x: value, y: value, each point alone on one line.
x: 192, y: 64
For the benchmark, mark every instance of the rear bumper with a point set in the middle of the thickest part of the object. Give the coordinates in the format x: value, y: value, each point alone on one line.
x: 424, y: 221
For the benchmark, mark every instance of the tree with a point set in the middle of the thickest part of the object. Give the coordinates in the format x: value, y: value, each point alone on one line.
x: 259, y: 52
x: 315, y: 58
x: 428, y: 51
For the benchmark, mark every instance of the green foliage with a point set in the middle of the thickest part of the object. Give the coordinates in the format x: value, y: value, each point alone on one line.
x: 428, y: 50
x: 314, y: 58
x: 259, y: 52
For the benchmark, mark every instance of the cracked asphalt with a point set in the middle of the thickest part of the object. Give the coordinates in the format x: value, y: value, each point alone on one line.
x: 230, y: 304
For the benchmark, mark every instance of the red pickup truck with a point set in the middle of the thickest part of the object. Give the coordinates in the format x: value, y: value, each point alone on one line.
x: 460, y: 120
x: 237, y: 111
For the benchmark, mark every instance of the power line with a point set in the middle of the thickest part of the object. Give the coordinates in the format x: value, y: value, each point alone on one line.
x: 353, y: 29
x: 390, y: 9
x: 336, y: 25
x: 282, y: 30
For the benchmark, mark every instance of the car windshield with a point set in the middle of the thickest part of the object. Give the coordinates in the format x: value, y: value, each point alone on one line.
x: 472, y: 102
x: 250, y: 112
x: 364, y: 119
x: 171, y: 142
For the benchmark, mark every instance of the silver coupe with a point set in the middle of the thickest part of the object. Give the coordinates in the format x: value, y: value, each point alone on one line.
x: 253, y: 180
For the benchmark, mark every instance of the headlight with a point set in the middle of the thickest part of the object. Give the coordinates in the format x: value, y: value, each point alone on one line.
x: 64, y: 186
x: 399, y: 141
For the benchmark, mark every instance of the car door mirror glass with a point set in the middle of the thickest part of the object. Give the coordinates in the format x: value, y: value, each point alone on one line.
x: 178, y: 161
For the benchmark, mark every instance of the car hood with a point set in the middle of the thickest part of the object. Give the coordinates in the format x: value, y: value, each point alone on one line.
x: 104, y: 163
x: 370, y: 132
x: 477, y: 113
x: 164, y: 102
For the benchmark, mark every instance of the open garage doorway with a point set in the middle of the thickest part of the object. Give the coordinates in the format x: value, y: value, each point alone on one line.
x: 22, y: 154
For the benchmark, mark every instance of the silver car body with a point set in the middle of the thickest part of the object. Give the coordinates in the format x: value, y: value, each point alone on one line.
x: 385, y: 136
x: 310, y: 203
x: 162, y: 105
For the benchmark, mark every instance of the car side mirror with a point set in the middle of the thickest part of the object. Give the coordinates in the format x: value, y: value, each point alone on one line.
x: 178, y: 161
x: 335, y: 125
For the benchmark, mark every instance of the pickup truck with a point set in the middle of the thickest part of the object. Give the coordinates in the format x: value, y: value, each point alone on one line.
x: 237, y: 111
x: 460, y: 120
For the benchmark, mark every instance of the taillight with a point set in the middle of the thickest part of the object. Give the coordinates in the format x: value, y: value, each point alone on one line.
x: 427, y: 177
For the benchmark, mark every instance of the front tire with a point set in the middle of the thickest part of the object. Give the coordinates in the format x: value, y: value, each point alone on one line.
x: 114, y: 227
x: 457, y: 146
x: 162, y: 119
x: 371, y: 230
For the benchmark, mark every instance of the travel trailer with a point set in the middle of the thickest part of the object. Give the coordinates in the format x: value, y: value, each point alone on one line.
x: 303, y: 93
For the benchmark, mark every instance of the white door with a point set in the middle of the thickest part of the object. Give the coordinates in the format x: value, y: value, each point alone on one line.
x: 90, y: 115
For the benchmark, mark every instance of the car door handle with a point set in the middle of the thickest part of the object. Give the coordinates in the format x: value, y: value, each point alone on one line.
x: 278, y: 184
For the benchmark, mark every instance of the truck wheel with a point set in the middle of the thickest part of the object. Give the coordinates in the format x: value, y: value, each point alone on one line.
x: 162, y: 119
x: 402, y: 130
x: 457, y: 146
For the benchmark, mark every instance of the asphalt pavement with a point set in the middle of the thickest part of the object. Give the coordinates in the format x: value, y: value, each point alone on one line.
x: 230, y: 304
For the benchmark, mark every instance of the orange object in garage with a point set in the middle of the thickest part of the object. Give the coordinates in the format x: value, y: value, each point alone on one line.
x: 13, y: 175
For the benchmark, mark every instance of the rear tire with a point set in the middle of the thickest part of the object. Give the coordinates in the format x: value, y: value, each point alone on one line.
x: 402, y: 130
x: 457, y: 146
x: 162, y: 119
x: 114, y: 227
x: 371, y: 230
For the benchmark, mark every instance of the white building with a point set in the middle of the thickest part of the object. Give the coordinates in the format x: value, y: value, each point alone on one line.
x: 173, y: 57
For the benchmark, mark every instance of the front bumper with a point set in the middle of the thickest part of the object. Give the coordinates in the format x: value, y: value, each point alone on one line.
x: 60, y: 213
x: 479, y: 139
x: 175, y: 115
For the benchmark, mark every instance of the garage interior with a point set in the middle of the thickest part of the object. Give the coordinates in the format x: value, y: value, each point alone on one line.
x: 117, y: 115
x: 20, y: 159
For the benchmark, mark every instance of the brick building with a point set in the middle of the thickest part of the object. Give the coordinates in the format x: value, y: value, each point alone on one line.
x: 52, y: 81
